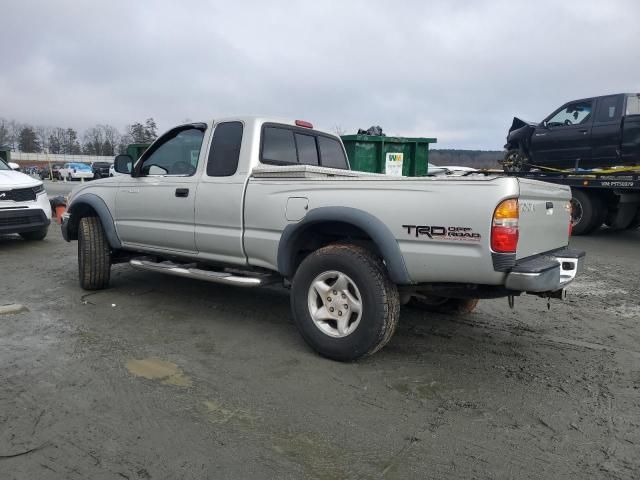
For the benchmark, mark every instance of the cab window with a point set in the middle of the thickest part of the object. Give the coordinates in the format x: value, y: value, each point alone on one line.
x: 278, y: 146
x: 331, y: 153
x: 224, y: 154
x: 576, y: 113
x: 633, y: 105
x: 609, y: 109
x: 177, y: 155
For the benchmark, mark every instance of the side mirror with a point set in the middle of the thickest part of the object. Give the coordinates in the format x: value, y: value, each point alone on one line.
x: 14, y: 166
x: 123, y: 164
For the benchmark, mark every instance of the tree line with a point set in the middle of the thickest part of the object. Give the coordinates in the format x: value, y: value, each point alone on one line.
x: 101, y: 139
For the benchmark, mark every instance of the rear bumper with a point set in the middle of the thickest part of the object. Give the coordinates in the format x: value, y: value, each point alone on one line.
x: 546, y: 273
x: 79, y: 175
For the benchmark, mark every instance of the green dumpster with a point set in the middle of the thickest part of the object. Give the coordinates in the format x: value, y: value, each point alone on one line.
x: 134, y: 150
x: 5, y: 154
x: 398, y: 156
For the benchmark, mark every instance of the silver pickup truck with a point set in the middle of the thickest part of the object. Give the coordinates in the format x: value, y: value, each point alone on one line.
x: 250, y: 201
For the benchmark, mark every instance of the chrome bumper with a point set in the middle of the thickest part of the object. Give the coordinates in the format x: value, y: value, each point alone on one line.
x: 546, y: 273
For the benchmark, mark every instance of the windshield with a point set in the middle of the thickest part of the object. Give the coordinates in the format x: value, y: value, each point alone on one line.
x: 4, y: 166
x: 80, y: 166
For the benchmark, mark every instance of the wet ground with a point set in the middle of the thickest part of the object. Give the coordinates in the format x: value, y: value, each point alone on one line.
x: 167, y: 378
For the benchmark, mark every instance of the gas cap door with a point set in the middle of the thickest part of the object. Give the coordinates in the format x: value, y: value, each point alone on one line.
x: 297, y: 208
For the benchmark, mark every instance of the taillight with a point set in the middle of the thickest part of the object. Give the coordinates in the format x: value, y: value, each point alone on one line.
x: 304, y: 123
x: 504, y: 229
x: 569, y: 208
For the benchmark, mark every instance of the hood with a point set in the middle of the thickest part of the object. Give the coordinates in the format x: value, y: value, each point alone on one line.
x: 89, y: 186
x: 519, y: 123
x: 10, y: 179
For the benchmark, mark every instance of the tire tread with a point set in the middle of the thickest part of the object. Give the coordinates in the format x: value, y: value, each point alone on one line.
x: 94, y: 255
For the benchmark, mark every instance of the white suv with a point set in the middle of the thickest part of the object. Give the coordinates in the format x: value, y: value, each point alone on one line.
x: 24, y: 206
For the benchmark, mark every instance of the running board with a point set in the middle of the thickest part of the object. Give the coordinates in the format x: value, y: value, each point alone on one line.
x: 188, y: 270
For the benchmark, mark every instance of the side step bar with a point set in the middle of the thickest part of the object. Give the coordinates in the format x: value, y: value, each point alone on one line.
x: 189, y: 270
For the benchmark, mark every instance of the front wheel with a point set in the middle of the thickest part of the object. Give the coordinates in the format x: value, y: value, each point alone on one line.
x: 343, y: 302
x: 94, y: 255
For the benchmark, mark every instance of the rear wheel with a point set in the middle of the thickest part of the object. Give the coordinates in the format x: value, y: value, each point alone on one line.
x: 515, y: 161
x: 94, y: 255
x: 588, y: 212
x: 635, y: 223
x: 449, y: 306
x: 34, y: 236
x: 343, y: 302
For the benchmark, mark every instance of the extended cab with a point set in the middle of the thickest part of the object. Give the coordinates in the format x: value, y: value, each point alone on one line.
x: 581, y: 134
x: 249, y: 201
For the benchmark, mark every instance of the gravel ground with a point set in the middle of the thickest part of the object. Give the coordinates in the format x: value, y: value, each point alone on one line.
x: 167, y: 378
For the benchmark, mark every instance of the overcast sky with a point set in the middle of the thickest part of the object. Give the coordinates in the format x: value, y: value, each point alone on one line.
x: 458, y: 71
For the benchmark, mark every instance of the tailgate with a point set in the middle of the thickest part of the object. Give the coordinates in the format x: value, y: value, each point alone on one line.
x: 544, y: 217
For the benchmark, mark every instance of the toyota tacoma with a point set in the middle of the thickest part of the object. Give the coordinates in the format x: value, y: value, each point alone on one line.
x: 249, y: 201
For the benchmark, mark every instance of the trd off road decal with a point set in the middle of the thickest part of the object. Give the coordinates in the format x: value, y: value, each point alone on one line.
x: 464, y: 234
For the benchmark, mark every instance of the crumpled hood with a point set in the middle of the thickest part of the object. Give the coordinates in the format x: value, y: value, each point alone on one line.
x: 10, y: 179
x: 519, y: 123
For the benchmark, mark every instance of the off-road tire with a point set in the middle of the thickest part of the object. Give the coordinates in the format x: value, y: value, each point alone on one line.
x: 593, y: 214
x: 515, y: 161
x: 36, y: 235
x: 94, y: 255
x: 448, y: 306
x: 380, y: 301
x: 635, y: 223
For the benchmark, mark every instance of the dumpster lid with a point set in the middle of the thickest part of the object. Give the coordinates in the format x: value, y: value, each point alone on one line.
x: 375, y: 138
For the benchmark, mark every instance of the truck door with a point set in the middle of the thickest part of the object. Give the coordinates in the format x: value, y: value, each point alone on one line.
x: 220, y: 198
x: 155, y: 209
x: 563, y: 139
x: 607, y: 131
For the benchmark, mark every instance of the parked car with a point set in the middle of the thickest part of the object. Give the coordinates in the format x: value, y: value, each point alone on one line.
x: 100, y: 169
x: 52, y: 173
x: 249, y: 201
x: 24, y: 206
x: 75, y: 171
x: 112, y: 171
x: 581, y: 134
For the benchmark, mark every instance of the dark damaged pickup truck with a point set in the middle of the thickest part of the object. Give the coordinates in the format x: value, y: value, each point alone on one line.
x: 581, y: 134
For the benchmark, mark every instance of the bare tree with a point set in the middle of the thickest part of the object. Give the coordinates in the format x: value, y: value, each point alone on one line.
x: 43, y: 132
x: 338, y: 130
x: 14, y: 134
x: 5, y: 136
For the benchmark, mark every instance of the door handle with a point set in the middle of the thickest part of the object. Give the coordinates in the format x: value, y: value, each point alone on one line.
x: 583, y: 131
x: 540, y: 134
x: 182, y: 192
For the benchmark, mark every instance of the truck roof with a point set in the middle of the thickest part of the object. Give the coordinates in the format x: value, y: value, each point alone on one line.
x: 249, y: 120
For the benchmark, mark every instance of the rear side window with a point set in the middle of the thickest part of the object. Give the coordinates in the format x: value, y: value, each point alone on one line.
x: 278, y: 146
x: 331, y: 153
x: 307, y: 150
x: 633, y: 105
x: 225, y: 149
x: 609, y: 109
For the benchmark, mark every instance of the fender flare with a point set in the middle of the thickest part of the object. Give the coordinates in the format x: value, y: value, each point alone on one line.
x: 100, y: 207
x: 372, y: 226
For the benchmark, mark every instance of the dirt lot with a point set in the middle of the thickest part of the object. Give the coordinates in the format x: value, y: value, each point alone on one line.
x: 168, y: 378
